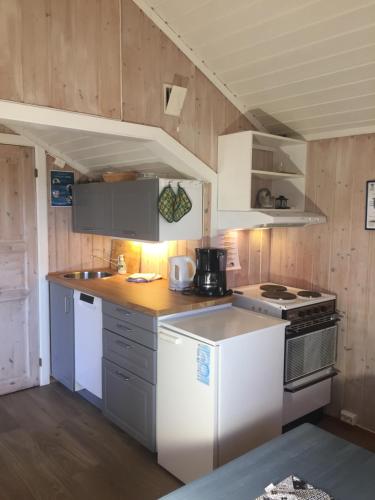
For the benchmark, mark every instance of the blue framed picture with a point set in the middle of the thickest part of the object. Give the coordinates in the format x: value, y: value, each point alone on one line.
x: 61, y: 188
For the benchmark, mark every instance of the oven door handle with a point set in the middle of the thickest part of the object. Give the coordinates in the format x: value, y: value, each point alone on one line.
x: 293, y: 332
x: 332, y: 374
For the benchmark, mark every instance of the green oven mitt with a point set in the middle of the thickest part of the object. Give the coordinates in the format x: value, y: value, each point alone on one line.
x: 182, y: 204
x: 166, y: 203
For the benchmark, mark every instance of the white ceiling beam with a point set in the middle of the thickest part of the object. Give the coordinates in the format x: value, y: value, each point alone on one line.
x: 15, y: 140
x: 342, y: 132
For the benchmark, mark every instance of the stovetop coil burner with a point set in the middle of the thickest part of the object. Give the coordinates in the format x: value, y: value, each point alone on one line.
x: 309, y: 294
x: 279, y: 295
x: 273, y: 288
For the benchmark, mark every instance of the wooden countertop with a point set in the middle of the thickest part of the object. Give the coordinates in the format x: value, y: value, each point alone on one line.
x: 151, y: 298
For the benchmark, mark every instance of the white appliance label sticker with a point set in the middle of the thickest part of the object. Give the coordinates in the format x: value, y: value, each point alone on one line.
x: 203, y: 364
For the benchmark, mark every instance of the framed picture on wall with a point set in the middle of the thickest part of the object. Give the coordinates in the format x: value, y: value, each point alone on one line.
x: 61, y: 188
x: 370, y: 205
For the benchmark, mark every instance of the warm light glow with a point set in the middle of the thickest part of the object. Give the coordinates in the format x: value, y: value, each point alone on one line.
x: 155, y: 249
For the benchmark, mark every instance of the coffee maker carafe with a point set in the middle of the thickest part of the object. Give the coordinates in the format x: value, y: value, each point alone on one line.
x: 210, y: 276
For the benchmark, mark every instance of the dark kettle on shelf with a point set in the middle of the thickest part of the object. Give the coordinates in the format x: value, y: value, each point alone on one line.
x: 281, y: 202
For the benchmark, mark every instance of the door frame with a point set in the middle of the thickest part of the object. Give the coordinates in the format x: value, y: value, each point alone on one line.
x: 41, y: 198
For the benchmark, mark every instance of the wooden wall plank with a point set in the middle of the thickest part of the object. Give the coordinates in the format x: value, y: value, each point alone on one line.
x: 140, y: 67
x: 10, y: 51
x: 339, y: 268
x: 339, y: 257
x: 265, y: 256
x: 64, y: 55
x: 368, y: 410
x: 363, y: 157
x: 36, y: 51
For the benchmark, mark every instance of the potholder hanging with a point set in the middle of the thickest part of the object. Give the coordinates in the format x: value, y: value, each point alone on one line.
x: 166, y: 203
x: 182, y: 204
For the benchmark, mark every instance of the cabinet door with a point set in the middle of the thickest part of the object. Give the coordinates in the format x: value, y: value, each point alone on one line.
x: 130, y: 403
x: 135, y: 209
x: 62, y: 334
x: 92, y: 208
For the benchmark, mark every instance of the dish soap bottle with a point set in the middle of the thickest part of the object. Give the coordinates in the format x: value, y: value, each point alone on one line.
x: 121, y: 265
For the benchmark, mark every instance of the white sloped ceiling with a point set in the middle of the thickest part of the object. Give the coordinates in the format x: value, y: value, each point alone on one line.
x: 301, y: 67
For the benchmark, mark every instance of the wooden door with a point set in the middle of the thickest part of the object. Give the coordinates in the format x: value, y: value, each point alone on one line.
x: 19, y: 347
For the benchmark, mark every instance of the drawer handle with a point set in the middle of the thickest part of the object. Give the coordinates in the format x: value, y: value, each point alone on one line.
x: 123, y: 344
x: 123, y: 327
x: 124, y: 377
x: 66, y: 304
x: 125, y: 313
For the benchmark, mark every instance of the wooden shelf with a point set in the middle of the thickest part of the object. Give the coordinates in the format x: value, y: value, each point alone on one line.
x: 260, y: 147
x: 266, y: 174
x: 259, y: 209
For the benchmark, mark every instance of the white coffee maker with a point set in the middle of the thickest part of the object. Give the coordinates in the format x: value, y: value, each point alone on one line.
x: 181, y: 272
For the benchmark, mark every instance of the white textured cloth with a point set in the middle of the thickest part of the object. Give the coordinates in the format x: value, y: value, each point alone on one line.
x: 293, y: 488
x: 143, y: 277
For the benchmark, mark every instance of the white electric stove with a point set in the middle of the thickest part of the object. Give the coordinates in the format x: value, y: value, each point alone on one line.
x: 310, y: 341
x: 272, y: 299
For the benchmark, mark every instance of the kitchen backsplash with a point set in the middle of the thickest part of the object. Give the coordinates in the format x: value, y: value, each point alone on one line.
x: 253, y: 248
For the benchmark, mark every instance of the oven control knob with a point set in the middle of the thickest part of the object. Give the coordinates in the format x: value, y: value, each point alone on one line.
x: 323, y: 309
x: 301, y: 314
x: 316, y: 310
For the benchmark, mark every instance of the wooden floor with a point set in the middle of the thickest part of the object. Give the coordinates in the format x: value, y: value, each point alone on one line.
x: 355, y: 435
x: 55, y: 445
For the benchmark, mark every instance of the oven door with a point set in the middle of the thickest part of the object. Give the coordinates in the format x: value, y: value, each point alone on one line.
x: 309, y: 356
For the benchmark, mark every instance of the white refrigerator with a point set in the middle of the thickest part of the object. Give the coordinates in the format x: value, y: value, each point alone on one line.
x: 219, y: 387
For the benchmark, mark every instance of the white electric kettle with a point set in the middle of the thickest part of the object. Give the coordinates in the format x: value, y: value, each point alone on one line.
x: 181, y: 272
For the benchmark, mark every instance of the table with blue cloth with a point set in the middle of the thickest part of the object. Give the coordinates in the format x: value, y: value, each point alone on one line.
x: 342, y: 469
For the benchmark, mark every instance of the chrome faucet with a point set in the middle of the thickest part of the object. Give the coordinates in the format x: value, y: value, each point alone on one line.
x: 119, y: 262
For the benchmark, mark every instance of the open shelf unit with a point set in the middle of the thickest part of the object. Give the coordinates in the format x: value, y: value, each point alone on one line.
x: 250, y: 161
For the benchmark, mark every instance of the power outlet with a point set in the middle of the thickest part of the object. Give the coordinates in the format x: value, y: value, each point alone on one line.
x: 349, y: 417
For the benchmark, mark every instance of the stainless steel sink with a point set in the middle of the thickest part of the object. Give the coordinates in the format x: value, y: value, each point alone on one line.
x: 87, y: 275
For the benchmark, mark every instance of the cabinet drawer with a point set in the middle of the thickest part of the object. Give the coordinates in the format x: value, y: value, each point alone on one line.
x: 130, y: 331
x: 129, y: 402
x: 136, y: 318
x: 130, y: 355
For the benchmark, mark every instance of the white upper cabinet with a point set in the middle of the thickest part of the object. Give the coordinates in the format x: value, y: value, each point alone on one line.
x: 251, y: 161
